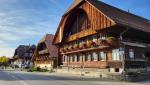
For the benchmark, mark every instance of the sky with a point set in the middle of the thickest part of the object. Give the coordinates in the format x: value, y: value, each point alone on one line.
x: 24, y: 22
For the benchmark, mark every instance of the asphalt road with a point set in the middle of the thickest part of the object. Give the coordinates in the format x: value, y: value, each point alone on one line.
x: 25, y: 78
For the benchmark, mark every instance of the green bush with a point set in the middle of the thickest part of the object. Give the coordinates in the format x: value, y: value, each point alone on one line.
x: 16, y: 66
x: 37, y: 69
x: 33, y: 69
x: 43, y: 70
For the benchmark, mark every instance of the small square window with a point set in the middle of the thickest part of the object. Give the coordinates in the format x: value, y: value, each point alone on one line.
x: 116, y: 69
x: 131, y: 53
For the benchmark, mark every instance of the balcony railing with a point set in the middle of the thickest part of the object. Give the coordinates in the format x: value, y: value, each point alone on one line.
x: 99, y: 44
x: 81, y: 34
x: 44, y: 51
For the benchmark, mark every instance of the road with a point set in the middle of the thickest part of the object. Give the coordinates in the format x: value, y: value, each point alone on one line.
x: 25, y: 78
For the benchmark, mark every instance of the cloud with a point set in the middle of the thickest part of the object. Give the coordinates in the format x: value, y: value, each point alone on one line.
x: 22, y: 26
x: 5, y: 49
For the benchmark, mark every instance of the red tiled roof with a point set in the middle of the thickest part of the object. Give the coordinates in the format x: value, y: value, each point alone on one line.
x: 52, y: 48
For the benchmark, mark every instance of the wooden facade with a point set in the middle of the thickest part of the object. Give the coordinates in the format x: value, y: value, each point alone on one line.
x: 45, y: 55
x: 93, y: 34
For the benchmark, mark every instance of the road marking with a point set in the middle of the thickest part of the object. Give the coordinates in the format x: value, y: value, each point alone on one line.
x: 21, y: 81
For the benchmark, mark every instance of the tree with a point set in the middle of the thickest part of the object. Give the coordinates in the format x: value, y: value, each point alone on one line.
x: 4, y: 60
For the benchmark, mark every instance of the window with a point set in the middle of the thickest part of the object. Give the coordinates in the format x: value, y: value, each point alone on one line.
x: 102, y: 56
x: 89, y: 56
x: 86, y: 57
x: 116, y: 69
x: 94, y: 56
x: 116, y: 54
x: 75, y: 58
x: 131, y: 53
x: 94, y: 38
x: 65, y: 58
x: 102, y: 36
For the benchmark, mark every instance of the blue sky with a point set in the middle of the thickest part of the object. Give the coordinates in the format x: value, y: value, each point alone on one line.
x: 27, y: 21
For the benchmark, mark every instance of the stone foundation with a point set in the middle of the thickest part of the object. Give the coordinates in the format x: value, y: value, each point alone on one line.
x: 91, y: 72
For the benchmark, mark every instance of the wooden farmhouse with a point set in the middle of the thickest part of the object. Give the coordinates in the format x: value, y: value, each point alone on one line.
x: 95, y: 35
x: 45, y: 55
x: 22, y: 56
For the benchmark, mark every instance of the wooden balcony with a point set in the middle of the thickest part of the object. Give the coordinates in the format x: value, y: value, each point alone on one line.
x: 80, y: 35
x: 43, y: 51
x: 85, y: 49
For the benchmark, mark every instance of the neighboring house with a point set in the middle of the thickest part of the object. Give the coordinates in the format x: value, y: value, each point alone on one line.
x: 97, y: 37
x: 23, y: 54
x: 45, y: 55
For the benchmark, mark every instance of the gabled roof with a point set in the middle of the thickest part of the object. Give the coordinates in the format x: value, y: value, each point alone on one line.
x: 75, y: 3
x: 21, y: 50
x: 118, y: 15
x: 122, y: 17
x: 47, y: 39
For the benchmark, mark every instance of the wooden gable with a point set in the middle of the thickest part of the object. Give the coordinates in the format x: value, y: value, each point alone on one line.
x: 97, y: 20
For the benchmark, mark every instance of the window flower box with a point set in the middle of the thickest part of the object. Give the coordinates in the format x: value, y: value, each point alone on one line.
x: 61, y: 49
x: 70, y: 47
x: 112, y: 41
x: 66, y: 48
x: 89, y: 43
x: 82, y: 45
x: 75, y: 46
x: 99, y: 42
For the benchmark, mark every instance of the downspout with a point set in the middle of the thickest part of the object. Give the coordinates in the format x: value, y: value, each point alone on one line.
x: 122, y: 33
x: 123, y: 61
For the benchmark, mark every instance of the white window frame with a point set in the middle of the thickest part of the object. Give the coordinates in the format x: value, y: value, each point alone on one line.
x: 89, y: 57
x: 131, y: 54
x: 100, y: 56
x: 94, y: 38
x: 116, y: 55
x: 71, y: 58
x: 95, y: 56
x: 75, y: 58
